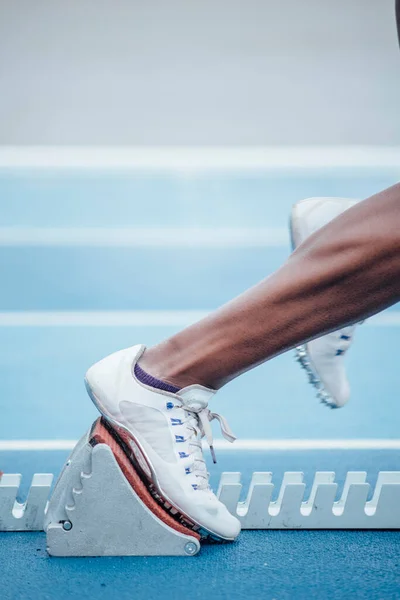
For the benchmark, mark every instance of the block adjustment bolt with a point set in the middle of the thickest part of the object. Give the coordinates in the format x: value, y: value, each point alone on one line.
x: 190, y: 548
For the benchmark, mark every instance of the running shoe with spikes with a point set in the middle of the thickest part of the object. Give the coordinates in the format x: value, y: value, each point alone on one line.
x: 164, y: 432
x: 323, y: 358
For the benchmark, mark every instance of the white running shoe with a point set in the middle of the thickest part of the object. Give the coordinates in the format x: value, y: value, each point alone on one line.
x: 164, y: 431
x: 323, y: 358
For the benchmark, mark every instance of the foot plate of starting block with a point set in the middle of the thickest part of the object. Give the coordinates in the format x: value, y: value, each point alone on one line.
x: 101, y: 507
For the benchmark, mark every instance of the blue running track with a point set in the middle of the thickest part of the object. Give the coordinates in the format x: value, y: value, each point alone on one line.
x: 42, y: 364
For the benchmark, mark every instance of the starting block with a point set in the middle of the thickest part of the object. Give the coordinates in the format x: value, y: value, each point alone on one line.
x: 102, y: 506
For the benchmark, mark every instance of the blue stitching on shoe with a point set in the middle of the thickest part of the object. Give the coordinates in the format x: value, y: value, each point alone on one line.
x: 176, y: 421
x: 179, y: 438
x: 170, y: 405
x: 183, y: 455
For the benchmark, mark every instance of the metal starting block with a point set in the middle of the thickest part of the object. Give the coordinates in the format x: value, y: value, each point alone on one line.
x: 101, y: 506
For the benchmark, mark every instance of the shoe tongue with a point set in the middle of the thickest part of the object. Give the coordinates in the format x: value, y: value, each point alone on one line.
x: 195, y: 396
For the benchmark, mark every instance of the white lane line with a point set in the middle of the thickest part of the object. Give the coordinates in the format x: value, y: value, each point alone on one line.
x: 133, y: 318
x: 199, y: 158
x: 218, y: 237
x: 307, y: 444
x: 245, y: 444
x: 136, y: 318
x: 389, y: 318
x: 32, y: 445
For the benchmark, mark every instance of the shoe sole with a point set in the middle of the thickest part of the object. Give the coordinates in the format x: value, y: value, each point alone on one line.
x: 137, y: 456
x: 301, y: 352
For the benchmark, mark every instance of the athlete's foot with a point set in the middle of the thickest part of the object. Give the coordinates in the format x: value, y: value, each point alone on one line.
x: 323, y: 358
x: 164, y: 430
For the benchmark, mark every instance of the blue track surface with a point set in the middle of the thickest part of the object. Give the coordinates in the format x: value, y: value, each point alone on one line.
x: 42, y: 394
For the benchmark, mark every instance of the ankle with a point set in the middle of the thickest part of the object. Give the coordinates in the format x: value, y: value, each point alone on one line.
x: 169, y: 365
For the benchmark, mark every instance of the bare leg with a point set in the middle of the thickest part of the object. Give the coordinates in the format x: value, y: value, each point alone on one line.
x: 343, y: 273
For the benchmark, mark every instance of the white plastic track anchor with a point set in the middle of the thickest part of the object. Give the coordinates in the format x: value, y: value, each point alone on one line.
x: 321, y: 510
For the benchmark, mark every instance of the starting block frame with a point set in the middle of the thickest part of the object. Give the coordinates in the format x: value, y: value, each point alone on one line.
x: 101, y: 507
x: 95, y: 521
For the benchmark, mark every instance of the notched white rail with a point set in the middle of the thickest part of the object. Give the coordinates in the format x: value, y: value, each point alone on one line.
x: 291, y: 509
x: 29, y: 515
x: 321, y: 510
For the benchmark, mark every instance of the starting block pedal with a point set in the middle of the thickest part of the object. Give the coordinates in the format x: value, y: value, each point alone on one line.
x: 101, y: 507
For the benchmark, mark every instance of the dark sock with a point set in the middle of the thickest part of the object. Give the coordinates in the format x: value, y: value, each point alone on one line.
x: 148, y: 379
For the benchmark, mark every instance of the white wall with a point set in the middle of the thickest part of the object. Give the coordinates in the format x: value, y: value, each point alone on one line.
x: 199, y: 72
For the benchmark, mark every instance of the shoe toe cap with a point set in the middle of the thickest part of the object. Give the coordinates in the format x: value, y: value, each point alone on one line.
x: 338, y: 389
x: 217, y: 519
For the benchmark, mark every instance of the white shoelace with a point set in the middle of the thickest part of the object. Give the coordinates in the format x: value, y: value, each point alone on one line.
x: 198, y: 422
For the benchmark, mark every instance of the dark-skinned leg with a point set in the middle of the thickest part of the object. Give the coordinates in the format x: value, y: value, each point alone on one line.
x: 343, y: 273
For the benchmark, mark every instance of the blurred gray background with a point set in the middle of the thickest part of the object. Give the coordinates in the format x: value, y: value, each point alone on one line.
x: 158, y: 72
